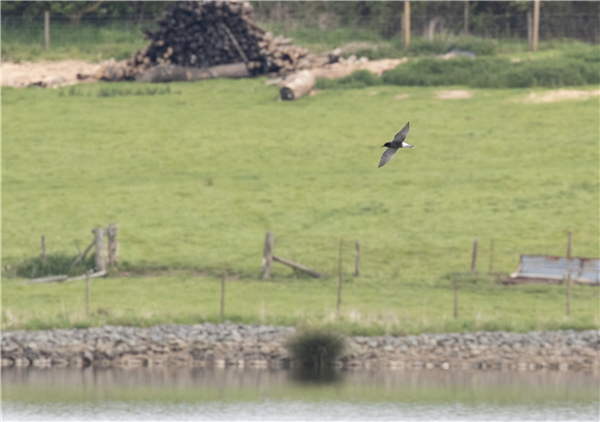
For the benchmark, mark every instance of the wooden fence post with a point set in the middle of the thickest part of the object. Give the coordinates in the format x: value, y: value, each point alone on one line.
x: 267, y: 256
x: 47, y: 29
x: 569, y: 284
x: 491, y: 256
x: 223, y: 294
x: 111, y: 231
x: 536, y: 25
x: 87, y: 292
x: 44, y: 259
x: 569, y: 244
x: 455, y: 285
x: 466, y: 19
x: 406, y: 26
x: 99, y: 242
x: 474, y: 256
x: 341, y: 281
x: 357, y: 260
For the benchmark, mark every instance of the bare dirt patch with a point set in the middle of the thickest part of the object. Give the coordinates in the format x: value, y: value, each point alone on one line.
x: 455, y: 94
x: 401, y: 96
x: 559, y: 95
x: 46, y: 73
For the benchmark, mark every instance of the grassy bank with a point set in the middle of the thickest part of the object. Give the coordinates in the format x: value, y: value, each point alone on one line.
x: 370, y: 306
x: 195, y: 179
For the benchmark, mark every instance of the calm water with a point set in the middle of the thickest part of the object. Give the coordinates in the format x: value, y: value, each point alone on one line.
x: 262, y: 394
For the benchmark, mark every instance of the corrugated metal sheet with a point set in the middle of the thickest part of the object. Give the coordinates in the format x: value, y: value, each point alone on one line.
x: 585, y: 270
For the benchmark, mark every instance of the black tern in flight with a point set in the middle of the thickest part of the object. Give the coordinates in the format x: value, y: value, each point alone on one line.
x: 393, y: 146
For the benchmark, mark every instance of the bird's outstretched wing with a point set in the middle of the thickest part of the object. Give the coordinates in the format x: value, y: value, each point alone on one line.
x: 387, y: 156
x: 401, y: 136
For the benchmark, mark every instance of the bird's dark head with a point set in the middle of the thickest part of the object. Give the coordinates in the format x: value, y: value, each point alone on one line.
x: 387, y: 144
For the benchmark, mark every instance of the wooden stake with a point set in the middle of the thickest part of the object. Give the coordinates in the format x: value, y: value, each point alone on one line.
x: 47, y: 28
x: 569, y: 283
x: 530, y: 30
x: 267, y: 256
x: 223, y: 294
x: 83, y: 255
x: 99, y: 242
x: 491, y: 256
x: 339, y: 298
x: 44, y: 259
x: 406, y: 25
x: 87, y: 292
x: 569, y: 244
x: 466, y: 18
x: 536, y: 24
x: 357, y: 260
x: 455, y: 285
x: 474, y: 256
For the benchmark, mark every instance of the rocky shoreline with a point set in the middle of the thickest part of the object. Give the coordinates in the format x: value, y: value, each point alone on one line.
x: 221, y: 345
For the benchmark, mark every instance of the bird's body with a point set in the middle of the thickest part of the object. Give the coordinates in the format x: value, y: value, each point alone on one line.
x: 393, y: 146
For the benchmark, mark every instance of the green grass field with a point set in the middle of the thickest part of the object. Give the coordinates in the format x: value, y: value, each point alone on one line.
x: 194, y: 178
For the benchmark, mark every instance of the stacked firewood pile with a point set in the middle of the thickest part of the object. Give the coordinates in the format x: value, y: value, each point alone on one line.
x: 207, y: 34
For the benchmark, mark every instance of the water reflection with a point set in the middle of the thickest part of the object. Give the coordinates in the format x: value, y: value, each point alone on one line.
x: 264, y: 394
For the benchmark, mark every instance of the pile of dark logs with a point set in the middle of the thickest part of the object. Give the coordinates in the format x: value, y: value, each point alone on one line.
x: 199, y: 40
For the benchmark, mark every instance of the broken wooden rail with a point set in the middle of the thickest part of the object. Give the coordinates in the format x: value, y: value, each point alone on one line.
x: 63, y: 278
x: 268, y: 257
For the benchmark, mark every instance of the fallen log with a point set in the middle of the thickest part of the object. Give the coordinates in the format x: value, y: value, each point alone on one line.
x: 297, y: 85
x: 297, y: 266
x: 172, y: 73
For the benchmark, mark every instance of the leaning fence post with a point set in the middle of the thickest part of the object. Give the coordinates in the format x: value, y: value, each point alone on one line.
x: 357, y: 260
x: 474, y: 257
x: 87, y: 292
x: 99, y: 242
x: 455, y: 285
x: 267, y: 256
x: 44, y: 259
x: 341, y: 281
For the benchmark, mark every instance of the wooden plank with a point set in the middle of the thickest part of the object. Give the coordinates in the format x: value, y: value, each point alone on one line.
x: 300, y: 267
x: 50, y: 279
x: 83, y: 255
x: 267, y: 256
x: 83, y: 276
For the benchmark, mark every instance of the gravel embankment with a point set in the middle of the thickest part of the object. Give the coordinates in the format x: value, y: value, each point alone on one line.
x: 264, y: 346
